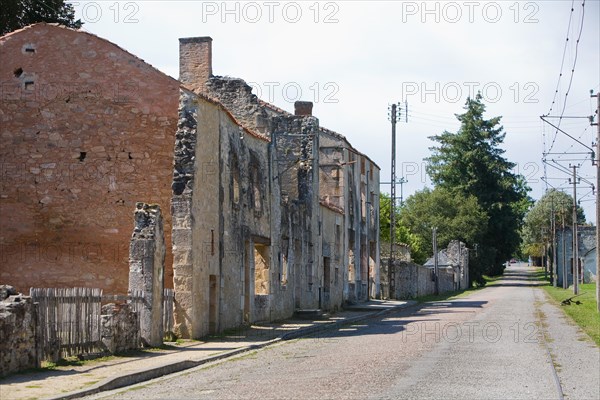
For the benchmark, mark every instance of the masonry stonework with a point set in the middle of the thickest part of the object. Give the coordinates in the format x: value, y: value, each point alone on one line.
x: 270, y: 219
x: 269, y: 212
x: 146, y: 270
x: 19, y: 334
x: 86, y: 131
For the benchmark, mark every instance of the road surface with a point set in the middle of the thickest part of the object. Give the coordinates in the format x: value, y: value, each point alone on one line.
x: 503, y: 342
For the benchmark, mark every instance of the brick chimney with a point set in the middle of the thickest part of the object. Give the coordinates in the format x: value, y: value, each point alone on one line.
x: 303, y: 108
x: 195, y: 62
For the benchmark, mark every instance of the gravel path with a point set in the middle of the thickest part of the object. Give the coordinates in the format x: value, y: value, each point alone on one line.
x: 490, y: 345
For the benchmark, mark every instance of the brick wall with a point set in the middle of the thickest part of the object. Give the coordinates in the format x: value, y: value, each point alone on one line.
x: 86, y: 131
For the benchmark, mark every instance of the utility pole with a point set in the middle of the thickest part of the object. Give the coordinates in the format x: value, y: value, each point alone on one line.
x: 565, y: 283
x: 395, y: 112
x: 553, y: 227
x: 575, y: 239
x: 435, y: 262
x: 392, y: 285
x: 545, y: 253
x: 597, y: 96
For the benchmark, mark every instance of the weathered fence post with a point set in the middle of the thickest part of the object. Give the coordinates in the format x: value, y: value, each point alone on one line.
x: 146, y: 270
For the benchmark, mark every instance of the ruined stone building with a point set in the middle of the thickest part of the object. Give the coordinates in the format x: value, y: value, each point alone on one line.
x: 270, y: 212
x: 86, y: 130
x: 290, y: 212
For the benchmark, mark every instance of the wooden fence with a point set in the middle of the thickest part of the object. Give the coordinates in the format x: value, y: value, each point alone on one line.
x: 69, y: 321
x: 69, y: 318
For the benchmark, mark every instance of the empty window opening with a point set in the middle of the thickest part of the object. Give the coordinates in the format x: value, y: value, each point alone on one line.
x: 82, y: 155
x: 18, y: 72
x: 29, y: 85
x: 284, y: 270
x: 256, y: 189
x: 363, y: 204
x: 29, y: 49
x: 235, y: 184
x: 261, y: 269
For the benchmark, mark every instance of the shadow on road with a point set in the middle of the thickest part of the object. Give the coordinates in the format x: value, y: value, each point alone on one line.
x: 397, y: 321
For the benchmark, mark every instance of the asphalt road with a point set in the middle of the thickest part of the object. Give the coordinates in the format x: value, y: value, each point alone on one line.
x: 495, y: 344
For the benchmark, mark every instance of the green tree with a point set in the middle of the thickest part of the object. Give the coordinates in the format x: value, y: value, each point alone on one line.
x: 471, y: 162
x: 537, y: 229
x: 15, y: 14
x: 403, y: 234
x: 455, y: 216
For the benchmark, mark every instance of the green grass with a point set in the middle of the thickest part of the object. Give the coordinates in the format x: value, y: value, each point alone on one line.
x: 585, y: 314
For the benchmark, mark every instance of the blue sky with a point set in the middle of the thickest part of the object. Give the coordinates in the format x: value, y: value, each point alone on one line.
x: 354, y: 58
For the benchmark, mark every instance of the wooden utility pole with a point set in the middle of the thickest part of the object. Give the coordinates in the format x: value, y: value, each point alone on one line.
x: 553, y: 227
x: 565, y: 282
x: 575, y: 239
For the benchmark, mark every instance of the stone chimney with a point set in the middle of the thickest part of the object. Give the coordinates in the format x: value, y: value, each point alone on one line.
x: 195, y: 62
x: 303, y: 108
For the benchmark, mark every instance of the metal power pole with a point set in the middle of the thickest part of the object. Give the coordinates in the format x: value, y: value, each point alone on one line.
x: 575, y: 239
x: 597, y: 96
x: 392, y: 285
x: 395, y: 112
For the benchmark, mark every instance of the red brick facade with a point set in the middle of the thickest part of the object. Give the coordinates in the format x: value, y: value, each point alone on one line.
x: 86, y: 131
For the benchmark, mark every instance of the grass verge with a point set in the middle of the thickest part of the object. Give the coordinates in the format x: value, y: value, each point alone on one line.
x: 585, y: 313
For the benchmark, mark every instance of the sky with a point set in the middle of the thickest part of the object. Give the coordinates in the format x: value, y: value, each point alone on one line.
x: 353, y: 59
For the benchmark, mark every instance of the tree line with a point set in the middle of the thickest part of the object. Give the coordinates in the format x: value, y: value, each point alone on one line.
x: 476, y: 198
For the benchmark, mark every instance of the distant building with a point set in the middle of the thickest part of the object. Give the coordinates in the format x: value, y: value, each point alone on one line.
x: 586, y: 253
x: 455, y: 258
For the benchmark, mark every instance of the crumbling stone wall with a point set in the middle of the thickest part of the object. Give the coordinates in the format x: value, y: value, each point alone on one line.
x: 414, y: 280
x: 19, y: 333
x: 236, y: 95
x: 350, y: 181
x: 221, y: 207
x: 146, y: 270
x: 87, y: 130
x: 266, y: 186
x: 297, y: 169
x: 120, y: 328
x: 458, y: 252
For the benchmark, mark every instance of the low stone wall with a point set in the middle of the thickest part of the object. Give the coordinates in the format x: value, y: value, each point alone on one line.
x: 414, y: 280
x: 19, y: 332
x: 120, y: 328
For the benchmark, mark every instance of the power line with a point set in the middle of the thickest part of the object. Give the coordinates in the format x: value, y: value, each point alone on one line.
x: 572, y: 71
